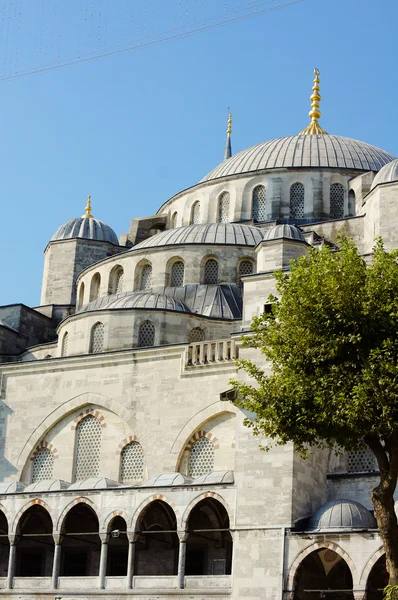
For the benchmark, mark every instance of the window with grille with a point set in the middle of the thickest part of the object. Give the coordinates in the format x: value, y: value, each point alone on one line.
x: 196, y: 335
x: 336, y: 201
x: 245, y: 268
x: 361, y: 461
x: 201, y: 460
x: 118, y: 282
x: 259, y: 203
x: 88, y: 447
x: 97, y: 338
x: 43, y: 465
x: 351, y: 203
x: 195, y: 213
x: 174, y: 220
x: 65, y: 340
x: 223, y: 208
x: 297, y: 201
x: 132, y: 463
x: 177, y: 274
x: 211, y: 271
x: 146, y: 277
x: 146, y: 334
x: 95, y: 287
x: 81, y: 296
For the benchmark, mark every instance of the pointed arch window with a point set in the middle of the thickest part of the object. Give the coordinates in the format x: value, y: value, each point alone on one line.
x: 88, y: 447
x: 174, y: 220
x: 297, y: 201
x: 97, y: 338
x: 81, y: 296
x: 336, y: 201
x: 118, y: 277
x: 146, y: 334
x: 43, y: 465
x: 195, y: 213
x: 177, y: 274
x: 201, y: 459
x: 223, y: 208
x: 245, y: 268
x: 146, y: 277
x: 65, y: 342
x: 211, y: 271
x: 95, y: 287
x: 260, y: 203
x: 132, y: 463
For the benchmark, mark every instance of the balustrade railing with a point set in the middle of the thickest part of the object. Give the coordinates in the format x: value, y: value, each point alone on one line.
x: 211, y: 352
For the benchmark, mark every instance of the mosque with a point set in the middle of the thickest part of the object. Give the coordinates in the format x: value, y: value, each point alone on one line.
x: 126, y: 468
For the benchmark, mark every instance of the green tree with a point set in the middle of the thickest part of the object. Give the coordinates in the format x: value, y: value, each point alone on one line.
x: 331, y: 341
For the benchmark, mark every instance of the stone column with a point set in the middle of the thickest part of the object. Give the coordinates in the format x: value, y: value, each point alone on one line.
x: 359, y: 595
x: 11, y: 561
x: 132, y: 538
x: 103, y: 560
x: 57, y: 559
x: 182, y: 536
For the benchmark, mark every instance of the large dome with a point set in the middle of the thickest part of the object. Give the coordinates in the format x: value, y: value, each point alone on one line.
x: 146, y: 300
x: 88, y: 228
x: 231, y: 234
x: 387, y: 174
x: 304, y: 151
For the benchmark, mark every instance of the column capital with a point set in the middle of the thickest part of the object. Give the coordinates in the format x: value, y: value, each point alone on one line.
x: 104, y: 537
x: 58, y: 537
x: 13, y: 539
x: 132, y: 536
x: 182, y: 536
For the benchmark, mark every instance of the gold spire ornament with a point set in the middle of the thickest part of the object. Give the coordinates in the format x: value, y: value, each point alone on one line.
x: 87, y: 214
x: 228, y: 147
x: 315, y: 114
x: 229, y: 126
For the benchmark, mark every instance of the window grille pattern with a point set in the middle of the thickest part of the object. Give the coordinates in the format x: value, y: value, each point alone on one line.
x: 201, y: 460
x: 336, y: 201
x: 174, y: 220
x: 81, y: 295
x: 195, y: 213
x: 132, y: 463
x: 118, y: 285
x: 196, y: 335
x: 146, y: 334
x: 211, y: 271
x: 43, y: 465
x: 146, y: 277
x: 260, y: 203
x: 95, y: 287
x: 245, y: 268
x: 65, y: 341
x: 177, y: 274
x: 97, y: 338
x: 297, y: 201
x: 88, y: 446
x: 223, y: 208
x: 361, y: 461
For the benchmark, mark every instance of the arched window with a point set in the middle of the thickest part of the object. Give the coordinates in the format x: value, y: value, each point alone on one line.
x: 245, y: 268
x: 195, y: 213
x: 64, y: 348
x: 259, y: 203
x: 146, y: 277
x: 201, y: 460
x: 132, y: 463
x: 88, y: 446
x: 81, y: 296
x: 196, y: 335
x: 174, y: 220
x: 95, y: 287
x: 297, y: 201
x: 43, y: 465
x: 336, y: 201
x: 223, y: 208
x: 177, y: 274
x: 116, y: 280
x: 146, y: 334
x: 211, y: 271
x: 97, y: 338
x: 351, y: 203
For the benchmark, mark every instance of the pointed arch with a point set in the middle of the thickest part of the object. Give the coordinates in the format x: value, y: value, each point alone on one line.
x: 369, y: 566
x: 27, y: 506
x: 199, y: 498
x: 67, y: 508
x: 139, y: 510
x: 112, y: 515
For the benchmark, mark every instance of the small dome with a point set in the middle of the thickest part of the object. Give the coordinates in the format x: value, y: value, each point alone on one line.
x: 342, y: 514
x: 167, y: 479
x: 232, y: 234
x: 94, y: 483
x: 146, y: 300
x: 88, y: 228
x: 46, y: 485
x: 387, y: 174
x: 10, y: 487
x: 289, y: 232
x: 215, y: 477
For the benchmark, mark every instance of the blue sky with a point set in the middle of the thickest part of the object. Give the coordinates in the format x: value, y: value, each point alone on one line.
x: 133, y: 129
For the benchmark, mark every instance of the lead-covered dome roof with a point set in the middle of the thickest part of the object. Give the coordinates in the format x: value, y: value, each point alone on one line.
x: 148, y: 300
x: 285, y: 231
x: 88, y: 228
x: 233, y: 234
x: 387, y: 174
x: 342, y: 514
x: 304, y: 151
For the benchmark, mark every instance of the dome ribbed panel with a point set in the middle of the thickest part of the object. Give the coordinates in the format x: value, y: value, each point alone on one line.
x: 146, y: 300
x: 387, y: 174
x: 300, y: 151
x: 89, y: 229
x: 284, y: 231
x: 342, y: 514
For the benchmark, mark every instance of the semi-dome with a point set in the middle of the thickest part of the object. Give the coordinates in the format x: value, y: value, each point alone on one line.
x: 86, y: 227
x: 232, y: 234
x: 146, y: 300
x: 342, y: 514
x: 387, y: 174
x: 304, y: 151
x: 284, y: 231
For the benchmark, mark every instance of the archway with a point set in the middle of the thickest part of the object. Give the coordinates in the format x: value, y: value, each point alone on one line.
x: 157, y: 545
x: 4, y: 545
x: 35, y: 547
x: 209, y: 543
x: 81, y: 544
x: 377, y: 580
x: 323, y: 574
x: 118, y: 547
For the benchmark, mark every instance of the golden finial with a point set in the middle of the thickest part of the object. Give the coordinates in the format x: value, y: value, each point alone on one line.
x: 87, y: 214
x: 229, y: 126
x: 314, y: 128
x: 228, y: 149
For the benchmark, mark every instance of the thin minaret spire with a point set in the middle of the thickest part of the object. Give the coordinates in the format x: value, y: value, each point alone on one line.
x: 228, y: 150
